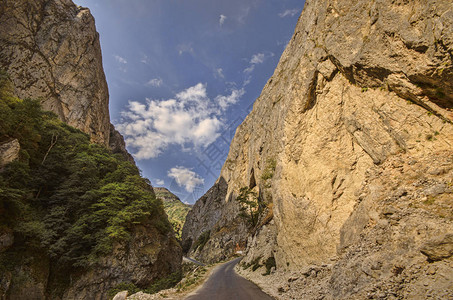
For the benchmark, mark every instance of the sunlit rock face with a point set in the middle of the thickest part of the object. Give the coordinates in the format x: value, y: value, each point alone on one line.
x: 357, y: 119
x: 51, y: 51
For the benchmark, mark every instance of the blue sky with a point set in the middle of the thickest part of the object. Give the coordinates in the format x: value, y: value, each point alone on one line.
x: 183, y: 74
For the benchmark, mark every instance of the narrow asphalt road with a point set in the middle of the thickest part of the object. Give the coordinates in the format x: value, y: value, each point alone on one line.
x: 225, y: 284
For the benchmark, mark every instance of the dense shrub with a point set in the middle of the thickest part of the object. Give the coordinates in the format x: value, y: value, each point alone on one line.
x: 164, y: 283
x: 251, y: 207
x: 202, y: 240
x: 65, y: 195
x: 269, y: 264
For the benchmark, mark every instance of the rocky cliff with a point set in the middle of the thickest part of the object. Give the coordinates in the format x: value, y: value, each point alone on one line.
x: 51, y: 51
x: 349, y: 147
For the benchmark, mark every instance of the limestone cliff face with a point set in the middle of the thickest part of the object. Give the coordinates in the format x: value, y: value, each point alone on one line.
x: 357, y: 119
x: 218, y: 221
x: 51, y: 51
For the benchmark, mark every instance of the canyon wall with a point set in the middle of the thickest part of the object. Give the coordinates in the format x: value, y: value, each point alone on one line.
x: 51, y: 51
x: 349, y: 147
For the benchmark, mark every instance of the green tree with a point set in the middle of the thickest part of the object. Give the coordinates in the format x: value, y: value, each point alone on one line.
x: 66, y: 196
x: 251, y: 205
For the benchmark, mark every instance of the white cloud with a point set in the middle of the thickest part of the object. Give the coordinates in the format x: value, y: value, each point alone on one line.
x: 144, y: 59
x: 243, y: 13
x: 289, y: 13
x: 186, y: 178
x: 257, y: 58
x: 120, y: 59
x: 225, y: 101
x: 249, y: 69
x: 160, y: 182
x: 190, y: 120
x: 219, y: 73
x: 156, y: 82
x: 182, y: 48
x: 222, y: 19
x: 196, y: 93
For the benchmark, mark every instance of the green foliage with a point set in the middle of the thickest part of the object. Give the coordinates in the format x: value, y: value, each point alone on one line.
x: 251, y: 206
x: 65, y: 195
x: 269, y: 264
x: 192, y: 277
x: 269, y: 169
x: 164, y: 283
x: 255, y: 264
x: 255, y: 267
x: 175, y: 209
x: 202, y: 240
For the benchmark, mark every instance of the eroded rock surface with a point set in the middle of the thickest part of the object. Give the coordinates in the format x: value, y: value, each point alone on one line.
x: 358, y: 120
x: 222, y: 227
x: 148, y: 256
x: 118, y: 145
x: 9, y: 151
x: 51, y: 51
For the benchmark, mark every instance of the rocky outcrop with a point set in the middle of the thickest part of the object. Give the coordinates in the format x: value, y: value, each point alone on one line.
x: 149, y: 255
x: 51, y: 51
x: 121, y: 296
x: 9, y: 152
x: 213, y: 229
x: 118, y: 145
x: 358, y: 120
x: 166, y: 195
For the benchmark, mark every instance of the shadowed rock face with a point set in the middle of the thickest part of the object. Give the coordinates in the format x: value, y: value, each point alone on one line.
x: 149, y: 256
x: 51, y: 51
x: 217, y: 217
x: 358, y: 118
x: 118, y: 145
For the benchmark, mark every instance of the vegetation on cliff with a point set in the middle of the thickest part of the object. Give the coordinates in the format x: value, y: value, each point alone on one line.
x: 64, y: 196
x: 175, y: 209
x: 251, y: 206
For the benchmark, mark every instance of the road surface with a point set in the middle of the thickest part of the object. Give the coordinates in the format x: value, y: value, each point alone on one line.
x: 225, y: 284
